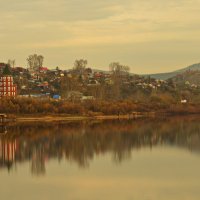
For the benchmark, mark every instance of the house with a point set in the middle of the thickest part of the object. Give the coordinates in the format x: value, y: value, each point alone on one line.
x: 85, y: 98
x: 183, y: 101
x: 43, y: 69
x: 7, y: 87
x: 56, y: 96
x: 43, y: 85
x: 74, y: 96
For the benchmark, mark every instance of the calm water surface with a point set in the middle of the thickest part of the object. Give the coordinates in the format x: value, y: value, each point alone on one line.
x: 138, y: 159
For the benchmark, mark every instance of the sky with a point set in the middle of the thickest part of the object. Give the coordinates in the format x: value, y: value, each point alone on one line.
x: 148, y: 35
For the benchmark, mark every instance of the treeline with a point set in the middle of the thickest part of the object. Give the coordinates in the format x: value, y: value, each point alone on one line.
x: 94, y: 107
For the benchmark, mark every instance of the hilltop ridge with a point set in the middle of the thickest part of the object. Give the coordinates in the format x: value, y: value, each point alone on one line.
x: 167, y: 75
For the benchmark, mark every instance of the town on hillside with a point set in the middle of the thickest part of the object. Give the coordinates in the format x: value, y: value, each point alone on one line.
x: 82, y: 83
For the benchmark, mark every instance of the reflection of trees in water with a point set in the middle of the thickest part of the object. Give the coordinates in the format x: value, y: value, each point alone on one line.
x: 3, y: 129
x: 38, y: 160
x: 81, y: 142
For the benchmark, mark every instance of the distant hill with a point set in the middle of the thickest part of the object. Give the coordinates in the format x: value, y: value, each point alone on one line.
x: 165, y: 76
x: 189, y: 77
x: 162, y: 76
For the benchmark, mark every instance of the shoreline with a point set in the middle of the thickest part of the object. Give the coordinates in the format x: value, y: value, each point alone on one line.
x: 57, y: 118
x: 49, y: 118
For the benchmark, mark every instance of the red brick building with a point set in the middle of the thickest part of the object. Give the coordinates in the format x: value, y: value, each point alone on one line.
x: 7, y: 87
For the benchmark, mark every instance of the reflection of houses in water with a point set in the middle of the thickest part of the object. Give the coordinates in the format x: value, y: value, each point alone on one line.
x: 7, y: 153
x: 82, y: 144
x: 20, y: 150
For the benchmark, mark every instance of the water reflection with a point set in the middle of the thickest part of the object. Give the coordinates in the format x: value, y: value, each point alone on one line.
x: 80, y: 142
x: 3, y: 129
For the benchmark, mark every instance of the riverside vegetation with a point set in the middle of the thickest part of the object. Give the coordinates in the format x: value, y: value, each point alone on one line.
x: 94, y: 107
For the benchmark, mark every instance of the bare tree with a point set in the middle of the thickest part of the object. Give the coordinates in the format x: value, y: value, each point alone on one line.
x: 11, y: 63
x: 80, y: 65
x: 68, y: 84
x: 118, y: 72
x: 118, y: 69
x: 40, y: 60
x: 35, y: 62
x: 32, y: 62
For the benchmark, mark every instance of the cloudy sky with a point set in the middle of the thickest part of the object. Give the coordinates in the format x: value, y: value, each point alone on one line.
x: 148, y: 35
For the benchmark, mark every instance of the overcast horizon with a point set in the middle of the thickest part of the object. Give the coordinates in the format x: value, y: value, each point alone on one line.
x: 150, y: 36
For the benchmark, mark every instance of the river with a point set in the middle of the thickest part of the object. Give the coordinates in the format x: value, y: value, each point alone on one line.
x: 143, y: 159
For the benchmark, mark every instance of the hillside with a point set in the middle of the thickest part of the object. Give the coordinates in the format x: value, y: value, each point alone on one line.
x: 165, y: 76
x: 189, y: 77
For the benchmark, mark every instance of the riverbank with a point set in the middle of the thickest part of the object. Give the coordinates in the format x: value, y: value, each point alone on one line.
x: 36, y: 110
x: 48, y: 117
x: 135, y: 115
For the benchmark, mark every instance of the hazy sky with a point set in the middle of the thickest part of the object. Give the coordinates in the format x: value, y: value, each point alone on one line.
x: 148, y: 35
